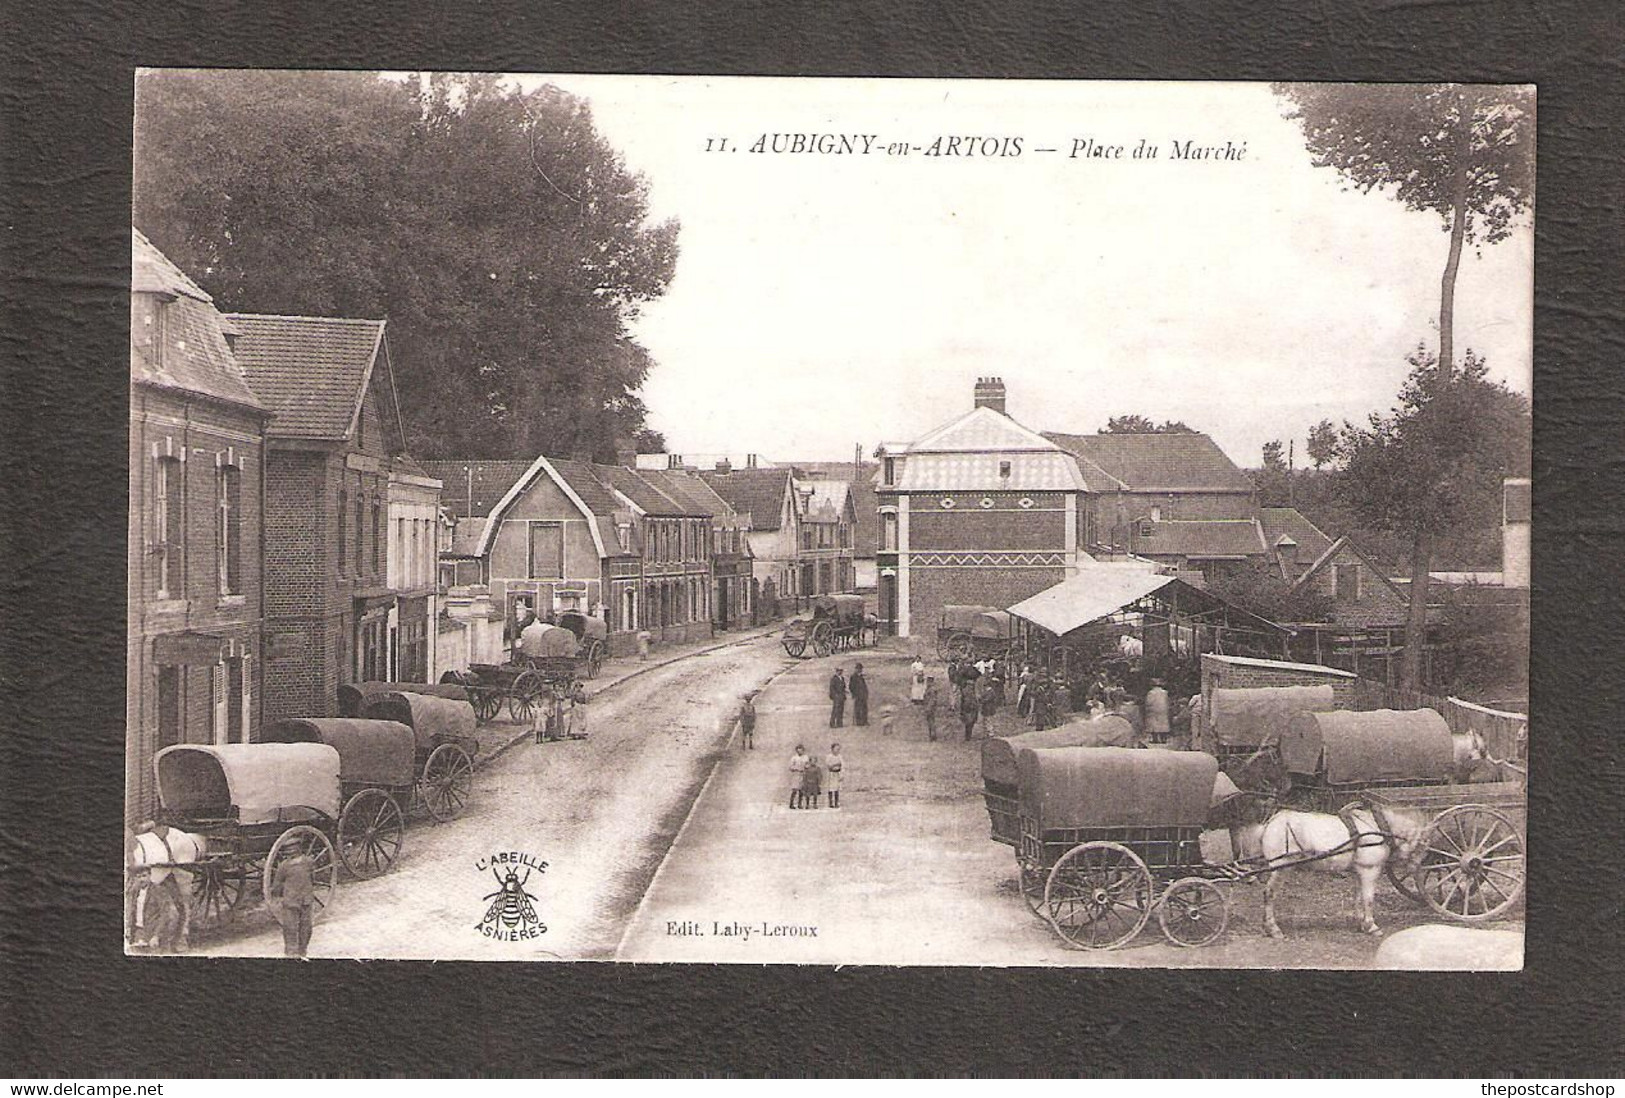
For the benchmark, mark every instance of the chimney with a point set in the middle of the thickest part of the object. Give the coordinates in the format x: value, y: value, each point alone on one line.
x: 1515, y: 514
x: 750, y: 461
x: 990, y: 393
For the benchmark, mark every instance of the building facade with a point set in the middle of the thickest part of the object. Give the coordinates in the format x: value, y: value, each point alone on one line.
x: 337, y: 473
x: 828, y: 530
x: 981, y: 510
x: 194, y: 657
x: 766, y: 501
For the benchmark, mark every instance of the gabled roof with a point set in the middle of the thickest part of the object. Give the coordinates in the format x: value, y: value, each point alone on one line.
x: 760, y: 492
x: 1159, y: 462
x: 539, y: 468
x: 587, y: 481
x: 1202, y: 538
x: 827, y: 500
x: 688, y: 490
x: 644, y: 494
x: 861, y: 478
x: 195, y: 357
x: 1338, y: 548
x: 979, y: 430
x: 473, y: 488
x: 1289, y: 522
x: 1030, y: 471
x: 313, y: 371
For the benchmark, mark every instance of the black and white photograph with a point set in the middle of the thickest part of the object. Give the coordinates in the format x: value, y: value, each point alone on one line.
x: 829, y: 521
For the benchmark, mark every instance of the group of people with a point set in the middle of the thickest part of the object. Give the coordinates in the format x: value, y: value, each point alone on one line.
x: 840, y: 687
x: 809, y: 779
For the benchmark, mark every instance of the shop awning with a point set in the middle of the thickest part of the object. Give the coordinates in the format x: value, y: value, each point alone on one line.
x: 187, y: 648
x: 1099, y: 592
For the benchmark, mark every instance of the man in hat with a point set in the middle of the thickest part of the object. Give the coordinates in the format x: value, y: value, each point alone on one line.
x: 837, y: 699
x: 293, y: 902
x: 858, y: 687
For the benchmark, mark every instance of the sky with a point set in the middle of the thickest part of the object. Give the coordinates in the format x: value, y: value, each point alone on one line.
x: 823, y: 301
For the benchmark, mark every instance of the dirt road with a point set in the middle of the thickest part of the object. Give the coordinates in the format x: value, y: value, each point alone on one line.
x: 600, y: 812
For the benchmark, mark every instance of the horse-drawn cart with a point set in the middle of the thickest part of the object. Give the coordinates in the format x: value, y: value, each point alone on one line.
x: 256, y: 806
x: 444, y: 747
x: 353, y: 695
x: 1334, y: 758
x: 837, y: 622
x: 385, y: 774
x: 592, y: 635
x: 1469, y: 863
x: 976, y: 632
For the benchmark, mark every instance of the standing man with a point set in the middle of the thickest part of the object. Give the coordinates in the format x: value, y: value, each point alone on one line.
x: 293, y: 902
x: 970, y: 708
x: 932, y: 705
x: 858, y: 687
x: 1156, y: 712
x: 837, y: 699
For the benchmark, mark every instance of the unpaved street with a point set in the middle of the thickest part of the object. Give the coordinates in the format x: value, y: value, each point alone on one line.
x: 601, y: 812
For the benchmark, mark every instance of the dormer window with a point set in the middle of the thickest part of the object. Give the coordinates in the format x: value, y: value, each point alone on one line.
x: 1004, y: 470
x: 1156, y: 514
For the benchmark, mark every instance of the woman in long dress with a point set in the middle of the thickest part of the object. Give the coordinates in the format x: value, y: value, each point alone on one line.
x: 833, y: 765
x: 916, y: 681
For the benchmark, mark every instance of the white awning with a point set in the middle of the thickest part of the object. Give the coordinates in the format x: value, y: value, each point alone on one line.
x: 1092, y: 594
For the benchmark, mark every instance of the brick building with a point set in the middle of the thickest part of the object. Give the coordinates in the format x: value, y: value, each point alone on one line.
x: 339, y: 484
x: 197, y: 434
x: 981, y: 510
x: 829, y: 523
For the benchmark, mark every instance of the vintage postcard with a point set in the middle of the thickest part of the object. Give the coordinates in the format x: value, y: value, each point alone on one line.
x: 831, y: 521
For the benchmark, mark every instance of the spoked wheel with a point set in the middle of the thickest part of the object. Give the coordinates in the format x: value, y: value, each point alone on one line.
x: 487, y: 704
x: 794, y: 647
x: 217, y: 889
x: 1472, y: 863
x: 1032, y: 877
x: 324, y: 868
x: 595, y: 660
x: 522, y: 695
x: 371, y: 829
x: 1193, y: 912
x: 958, y: 647
x: 1098, y: 896
x: 448, y: 782
x: 823, y: 639
x: 1400, y: 878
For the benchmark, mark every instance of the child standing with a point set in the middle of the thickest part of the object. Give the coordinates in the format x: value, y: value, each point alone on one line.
x: 834, y: 764
x: 812, y: 784
x: 798, y: 775
x: 747, y: 721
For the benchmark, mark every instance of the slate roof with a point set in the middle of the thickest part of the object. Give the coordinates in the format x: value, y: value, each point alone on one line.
x: 758, y: 491
x: 1055, y: 471
x: 981, y: 429
x: 688, y: 490
x: 196, y: 357
x: 827, y: 501
x: 1289, y: 521
x: 644, y: 493
x: 587, y: 481
x: 1159, y: 462
x: 1202, y: 538
x: 311, y: 370
x: 485, y: 481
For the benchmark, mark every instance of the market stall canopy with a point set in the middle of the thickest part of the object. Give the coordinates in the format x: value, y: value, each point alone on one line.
x: 1101, y: 591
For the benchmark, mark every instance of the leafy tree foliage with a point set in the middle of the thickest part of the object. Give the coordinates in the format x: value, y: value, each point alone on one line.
x: 1256, y: 588
x: 1140, y: 425
x: 1323, y: 438
x: 1274, y: 456
x: 508, y: 245
x: 1464, y: 152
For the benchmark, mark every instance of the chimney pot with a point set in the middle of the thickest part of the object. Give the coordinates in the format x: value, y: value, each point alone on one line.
x: 990, y: 394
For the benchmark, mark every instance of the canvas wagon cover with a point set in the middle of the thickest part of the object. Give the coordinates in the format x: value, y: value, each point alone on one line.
x: 999, y: 752
x: 963, y: 619
x: 1253, y: 716
x: 1075, y: 787
x: 1380, y: 745
x: 259, y: 780
x: 370, y: 752
x: 434, y: 720
x: 993, y: 625
x: 353, y: 695
x: 843, y: 609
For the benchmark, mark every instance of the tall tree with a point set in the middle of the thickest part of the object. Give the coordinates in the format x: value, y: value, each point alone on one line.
x: 1140, y: 425
x: 1464, y: 152
x: 1437, y: 460
x: 507, y: 243
x: 1323, y: 444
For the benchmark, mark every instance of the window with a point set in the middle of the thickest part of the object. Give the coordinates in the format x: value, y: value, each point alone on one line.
x: 377, y: 538
x: 1346, y: 582
x: 360, y: 534
x: 169, y: 706
x: 403, y: 576
x: 1004, y: 470
x: 344, y: 511
x: 888, y: 531
x: 373, y: 644
x: 891, y: 471
x: 168, y: 522
x: 546, y: 550
x: 228, y: 533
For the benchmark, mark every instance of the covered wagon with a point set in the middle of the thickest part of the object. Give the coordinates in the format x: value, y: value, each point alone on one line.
x: 1240, y: 721
x: 1334, y: 757
x: 592, y: 638
x: 1000, y: 778
x: 353, y: 695
x: 1104, y: 826
x: 838, y: 622
x: 444, y: 746
x: 975, y: 633
x: 256, y: 806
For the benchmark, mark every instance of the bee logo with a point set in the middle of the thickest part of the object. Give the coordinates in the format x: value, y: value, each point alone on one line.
x: 512, y: 914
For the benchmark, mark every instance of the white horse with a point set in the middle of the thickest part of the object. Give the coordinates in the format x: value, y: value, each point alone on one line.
x: 158, y: 909
x: 1323, y: 843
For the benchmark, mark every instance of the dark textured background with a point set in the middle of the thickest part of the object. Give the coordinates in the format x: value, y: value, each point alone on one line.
x: 72, y: 1005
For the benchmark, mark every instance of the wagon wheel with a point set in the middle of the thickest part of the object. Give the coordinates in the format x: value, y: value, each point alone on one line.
x: 371, y: 828
x: 958, y: 647
x: 1098, y: 896
x: 217, y: 889
x: 522, y: 695
x: 595, y: 659
x: 1193, y: 912
x: 324, y: 870
x: 795, y: 646
x: 1472, y: 863
x: 1031, y: 876
x: 487, y: 703
x: 1399, y: 875
x: 823, y: 639
x: 448, y: 782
